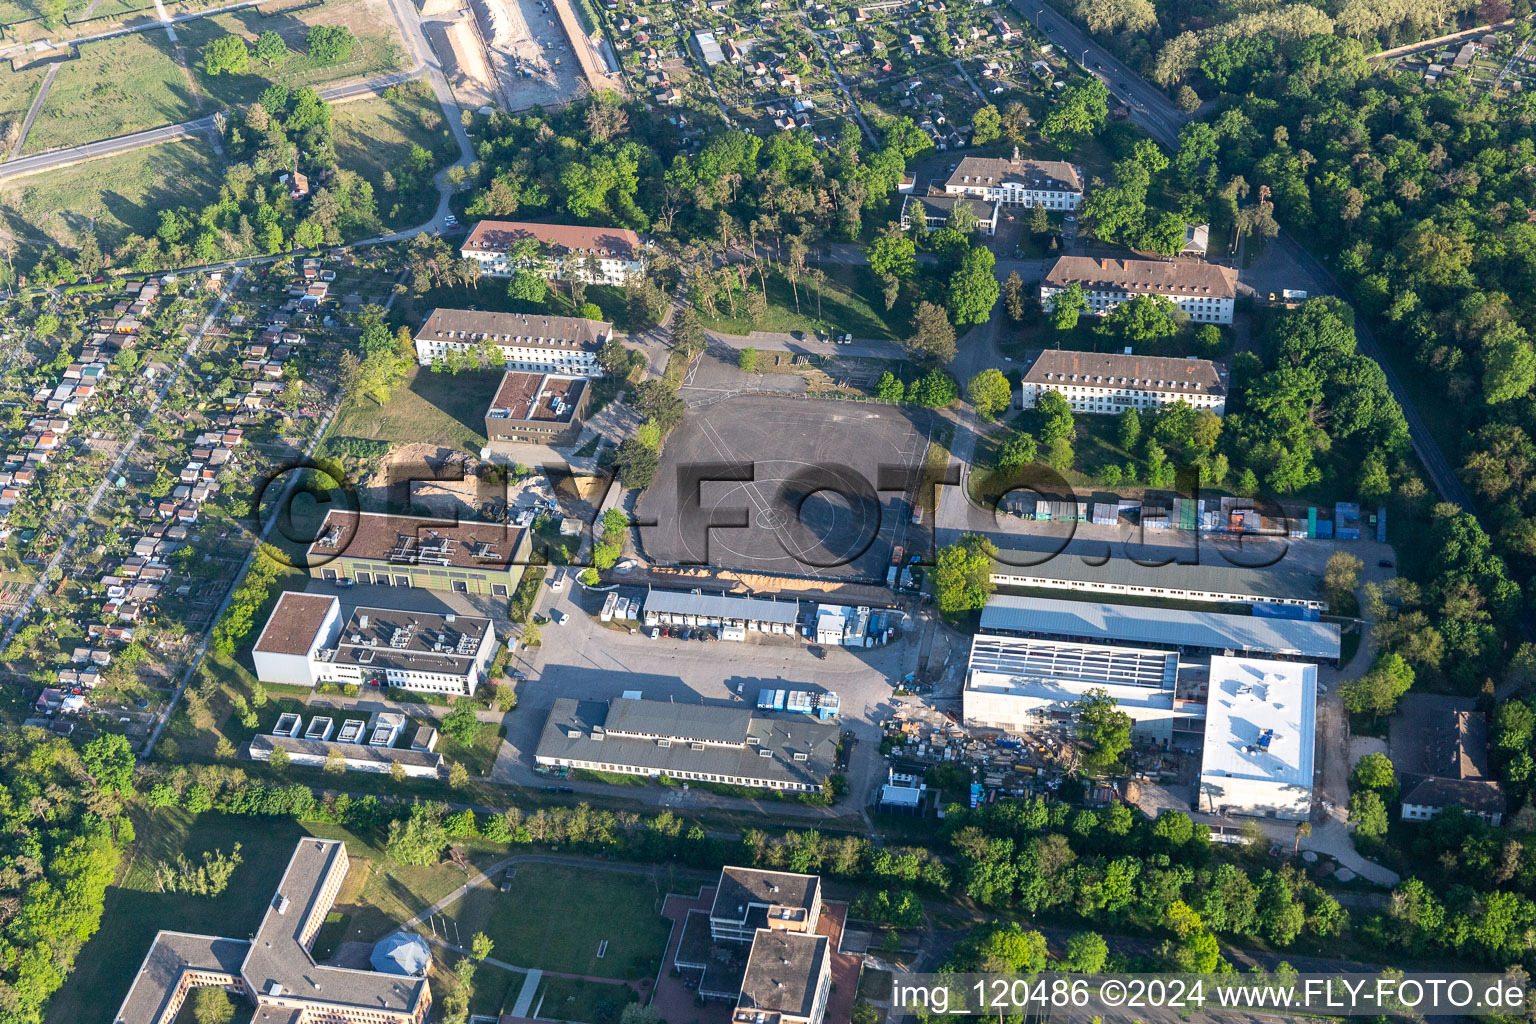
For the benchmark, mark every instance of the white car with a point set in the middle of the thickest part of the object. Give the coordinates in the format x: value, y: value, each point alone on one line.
x: 557, y: 616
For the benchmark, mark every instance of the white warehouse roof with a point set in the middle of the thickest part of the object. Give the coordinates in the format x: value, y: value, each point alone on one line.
x: 1260, y: 732
x: 721, y: 606
x: 1144, y: 625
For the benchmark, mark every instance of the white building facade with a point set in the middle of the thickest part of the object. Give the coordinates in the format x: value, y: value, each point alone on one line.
x: 1053, y: 184
x: 1099, y: 383
x: 1204, y: 292
x: 563, y: 251
x: 530, y: 343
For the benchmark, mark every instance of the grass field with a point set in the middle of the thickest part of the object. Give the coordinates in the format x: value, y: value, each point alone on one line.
x: 118, y: 86
x: 376, y: 46
x: 495, y: 991
x: 432, y: 408
x: 556, y: 917
x: 583, y: 1002
x: 376, y: 135
x: 850, y: 303
x: 17, y: 89
x: 135, y: 911
x: 117, y: 195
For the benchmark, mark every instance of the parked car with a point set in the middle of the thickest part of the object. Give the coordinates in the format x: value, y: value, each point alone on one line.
x: 559, y: 616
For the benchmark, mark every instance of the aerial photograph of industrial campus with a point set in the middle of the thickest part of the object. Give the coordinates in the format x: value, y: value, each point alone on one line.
x: 767, y: 511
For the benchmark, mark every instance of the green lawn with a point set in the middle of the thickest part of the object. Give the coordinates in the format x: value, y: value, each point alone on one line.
x: 495, y: 991
x: 116, y: 195
x: 376, y: 135
x: 555, y: 918
x: 116, y: 87
x: 850, y: 303
x: 17, y: 89
x: 582, y: 1002
x: 433, y: 408
x: 135, y: 910
x: 376, y: 47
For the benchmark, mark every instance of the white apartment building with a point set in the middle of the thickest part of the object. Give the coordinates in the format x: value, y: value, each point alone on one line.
x: 1053, y: 184
x: 1205, y: 292
x: 1107, y: 383
x: 564, y: 251
x: 530, y: 342
x: 301, y: 645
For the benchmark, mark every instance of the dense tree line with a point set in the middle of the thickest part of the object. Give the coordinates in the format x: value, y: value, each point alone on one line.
x: 64, y: 832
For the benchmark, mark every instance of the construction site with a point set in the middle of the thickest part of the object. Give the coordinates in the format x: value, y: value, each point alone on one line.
x: 514, y: 54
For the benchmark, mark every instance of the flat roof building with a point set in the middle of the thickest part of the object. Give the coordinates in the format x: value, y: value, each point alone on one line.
x: 595, y: 255
x: 299, y: 626
x: 681, y: 608
x: 534, y: 342
x: 747, y: 899
x: 1018, y: 684
x: 411, y: 650
x: 1204, y: 291
x: 275, y: 969
x: 1108, y: 383
x: 464, y: 556
x: 1164, y: 627
x: 537, y: 408
x: 1260, y: 734
x: 1221, y: 583
x: 787, y: 981
x: 708, y: 743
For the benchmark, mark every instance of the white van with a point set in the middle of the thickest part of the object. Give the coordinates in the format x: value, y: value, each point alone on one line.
x: 557, y: 581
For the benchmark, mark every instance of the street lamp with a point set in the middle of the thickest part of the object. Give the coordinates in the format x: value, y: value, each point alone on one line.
x: 1037, y: 18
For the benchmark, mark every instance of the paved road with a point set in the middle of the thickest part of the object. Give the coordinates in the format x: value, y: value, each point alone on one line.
x: 53, y: 160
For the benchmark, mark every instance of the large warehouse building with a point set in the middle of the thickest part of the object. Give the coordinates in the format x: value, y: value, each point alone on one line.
x: 709, y: 743
x: 681, y: 608
x: 1018, y: 684
x: 1221, y: 584
x: 1259, y: 738
x: 1161, y: 627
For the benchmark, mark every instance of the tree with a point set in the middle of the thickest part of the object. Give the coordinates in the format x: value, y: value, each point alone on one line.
x: 109, y: 759
x: 892, y: 254
x: 962, y: 574
x: 1509, y: 364
x: 986, y: 125
x: 935, y: 389
x: 226, y: 55
x: 480, y: 947
x: 528, y: 286
x: 271, y: 49
x: 419, y: 838
x: 1375, y: 771
x: 990, y: 393
x: 973, y: 288
x: 335, y: 761
x: 747, y: 360
x: 1145, y: 318
x: 1376, y: 693
x: 1087, y: 953
x: 1104, y: 728
x: 278, y: 760
x: 1128, y: 431
x: 212, y: 1006
x: 1079, y: 112
x: 1014, y: 454
x: 1066, y: 306
x: 1342, y: 573
x: 890, y: 389
x: 329, y: 44
x: 1013, y: 295
x: 458, y: 775
x: 933, y: 337
x: 637, y: 463
x: 1368, y: 812
x: 1187, y: 99
x: 462, y: 724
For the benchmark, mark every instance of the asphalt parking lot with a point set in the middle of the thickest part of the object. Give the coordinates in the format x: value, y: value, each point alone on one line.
x: 809, y: 488
x: 589, y: 660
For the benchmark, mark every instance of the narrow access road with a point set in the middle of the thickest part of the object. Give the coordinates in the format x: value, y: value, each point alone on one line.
x: 37, y: 104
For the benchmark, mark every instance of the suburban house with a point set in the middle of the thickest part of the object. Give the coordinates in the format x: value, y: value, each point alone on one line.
x: 1203, y: 291
x: 561, y: 251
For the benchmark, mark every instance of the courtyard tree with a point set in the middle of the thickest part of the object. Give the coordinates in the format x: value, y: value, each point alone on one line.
x: 962, y: 574
x: 1067, y: 305
x: 990, y: 393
